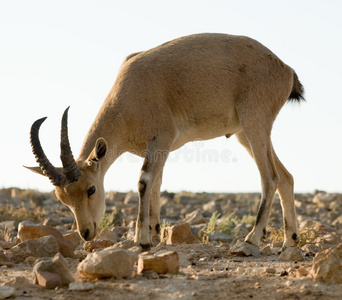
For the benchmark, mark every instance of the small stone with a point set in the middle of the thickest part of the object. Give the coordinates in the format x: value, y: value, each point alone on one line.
x: 52, y: 221
x: 266, y: 251
x: 18, y: 282
x: 109, y: 262
x: 46, y: 270
x: 81, y: 286
x: 105, y: 234
x: 311, y: 249
x: 178, y: 234
x: 219, y: 237
x: 195, y: 217
x: 3, y: 257
x: 302, y: 272
x: 162, y: 262
x: 245, y: 249
x: 291, y: 254
x: 73, y: 237
x: 6, y: 292
x: 150, y: 274
x: 270, y: 270
x: 97, y: 244
x: 48, y: 280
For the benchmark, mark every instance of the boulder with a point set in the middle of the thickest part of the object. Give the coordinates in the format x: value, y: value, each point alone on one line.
x: 109, y: 262
x: 327, y: 266
x: 46, y: 246
x: 178, y: 234
x: 161, y: 262
x: 29, y: 232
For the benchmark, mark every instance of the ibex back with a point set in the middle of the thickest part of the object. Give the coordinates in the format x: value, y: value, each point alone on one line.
x: 196, y: 87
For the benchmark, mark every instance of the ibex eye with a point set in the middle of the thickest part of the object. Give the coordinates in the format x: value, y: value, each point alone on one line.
x: 91, y: 191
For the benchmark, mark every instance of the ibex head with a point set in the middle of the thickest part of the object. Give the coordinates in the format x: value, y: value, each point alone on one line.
x: 79, y: 184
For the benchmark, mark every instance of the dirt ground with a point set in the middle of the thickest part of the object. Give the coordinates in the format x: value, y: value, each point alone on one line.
x: 207, y: 270
x: 222, y: 277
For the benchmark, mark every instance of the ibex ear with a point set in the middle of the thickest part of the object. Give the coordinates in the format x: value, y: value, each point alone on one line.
x: 38, y: 170
x: 98, y: 152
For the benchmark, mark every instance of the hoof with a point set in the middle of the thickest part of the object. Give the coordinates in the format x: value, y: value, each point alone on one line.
x: 245, y: 249
x: 145, y: 247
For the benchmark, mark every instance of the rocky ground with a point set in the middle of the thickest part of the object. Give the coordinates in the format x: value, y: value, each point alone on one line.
x: 42, y: 256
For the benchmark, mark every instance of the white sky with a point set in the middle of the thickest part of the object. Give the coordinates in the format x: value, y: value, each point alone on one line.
x: 59, y: 53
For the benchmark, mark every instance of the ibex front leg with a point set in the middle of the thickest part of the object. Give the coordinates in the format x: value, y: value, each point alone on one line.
x: 155, y: 158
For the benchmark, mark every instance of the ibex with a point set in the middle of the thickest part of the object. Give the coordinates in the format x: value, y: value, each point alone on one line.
x: 200, y: 86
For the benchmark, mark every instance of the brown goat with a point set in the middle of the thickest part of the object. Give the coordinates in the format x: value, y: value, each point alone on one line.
x: 196, y: 87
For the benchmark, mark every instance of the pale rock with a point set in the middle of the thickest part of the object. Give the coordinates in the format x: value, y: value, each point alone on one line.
x: 161, y: 262
x: 327, y: 266
x: 73, y: 237
x: 46, y: 246
x: 135, y: 249
x: 322, y: 199
x: 245, y: 249
x: 93, y: 245
x: 301, y: 271
x: 178, y: 234
x: 337, y: 222
x: 81, y: 286
x: 126, y: 244
x: 105, y: 234
x: 109, y: 262
x: 27, y: 232
x: 18, y: 282
x: 6, y: 292
x: 270, y: 270
x: 291, y: 254
x: 52, y: 221
x: 52, y: 272
x: 195, y: 217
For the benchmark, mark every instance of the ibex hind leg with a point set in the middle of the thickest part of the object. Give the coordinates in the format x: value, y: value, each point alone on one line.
x: 156, y: 155
x: 258, y: 144
x: 285, y: 190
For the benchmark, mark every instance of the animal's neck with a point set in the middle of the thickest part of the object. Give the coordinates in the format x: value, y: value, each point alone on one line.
x: 106, y: 126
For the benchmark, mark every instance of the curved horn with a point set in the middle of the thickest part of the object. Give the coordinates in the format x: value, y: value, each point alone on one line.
x: 70, y: 168
x: 56, y: 177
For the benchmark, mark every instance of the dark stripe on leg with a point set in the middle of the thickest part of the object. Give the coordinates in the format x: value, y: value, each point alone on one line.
x: 260, y: 211
x: 142, y: 188
x: 158, y: 228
